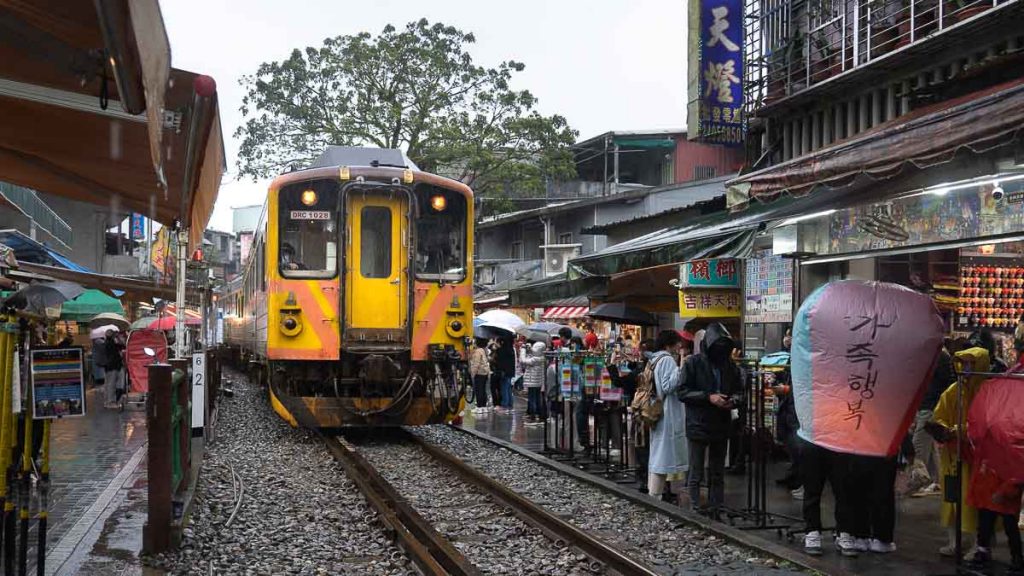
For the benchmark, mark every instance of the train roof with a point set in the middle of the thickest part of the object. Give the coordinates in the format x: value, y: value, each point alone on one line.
x: 362, y: 156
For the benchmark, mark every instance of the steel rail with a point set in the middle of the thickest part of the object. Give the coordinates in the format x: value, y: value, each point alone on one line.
x: 551, y: 525
x: 426, y: 548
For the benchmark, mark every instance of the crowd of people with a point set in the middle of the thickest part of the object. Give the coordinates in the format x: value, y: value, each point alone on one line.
x: 699, y: 386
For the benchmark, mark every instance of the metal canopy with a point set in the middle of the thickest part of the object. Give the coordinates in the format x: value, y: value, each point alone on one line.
x: 975, y: 124
x: 92, y: 110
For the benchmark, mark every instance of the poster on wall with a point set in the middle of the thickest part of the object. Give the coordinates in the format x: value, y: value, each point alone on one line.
x: 925, y: 219
x: 715, y: 111
x: 57, y: 381
x: 768, y: 289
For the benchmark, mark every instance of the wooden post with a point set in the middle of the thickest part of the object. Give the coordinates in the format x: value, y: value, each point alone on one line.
x: 156, y: 533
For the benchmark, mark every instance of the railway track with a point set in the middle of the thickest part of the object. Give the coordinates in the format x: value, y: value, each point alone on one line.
x: 477, y: 512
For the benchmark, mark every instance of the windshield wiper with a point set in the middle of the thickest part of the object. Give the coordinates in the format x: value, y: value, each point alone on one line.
x: 378, y: 164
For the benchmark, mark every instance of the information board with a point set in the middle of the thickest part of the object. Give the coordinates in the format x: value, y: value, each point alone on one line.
x: 57, y: 381
x: 768, y: 289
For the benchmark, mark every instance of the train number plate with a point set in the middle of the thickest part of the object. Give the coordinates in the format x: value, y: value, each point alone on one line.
x: 311, y: 215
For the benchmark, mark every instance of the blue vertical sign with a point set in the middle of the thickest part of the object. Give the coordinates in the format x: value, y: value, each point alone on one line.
x: 138, y: 227
x: 720, y: 79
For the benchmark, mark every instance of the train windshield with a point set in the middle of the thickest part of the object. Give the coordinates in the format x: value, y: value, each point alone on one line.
x: 440, y: 234
x: 309, y: 233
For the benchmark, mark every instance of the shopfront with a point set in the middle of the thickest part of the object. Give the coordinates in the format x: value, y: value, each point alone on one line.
x: 961, y: 243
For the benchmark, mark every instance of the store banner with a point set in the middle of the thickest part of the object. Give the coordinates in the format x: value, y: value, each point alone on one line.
x: 160, y: 250
x: 768, y: 289
x: 705, y: 303
x: 711, y: 273
x: 138, y: 227
x: 924, y: 219
x: 715, y: 114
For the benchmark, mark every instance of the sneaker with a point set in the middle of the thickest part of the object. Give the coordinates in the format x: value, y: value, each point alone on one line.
x: 797, y: 494
x: 981, y: 560
x: 845, y: 545
x: 879, y: 547
x: 861, y: 544
x: 929, y: 490
x: 812, y: 543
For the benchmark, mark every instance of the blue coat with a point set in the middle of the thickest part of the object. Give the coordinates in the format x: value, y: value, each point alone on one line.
x: 668, y: 438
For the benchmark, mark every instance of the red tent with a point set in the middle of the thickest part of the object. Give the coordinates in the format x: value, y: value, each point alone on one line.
x: 137, y: 359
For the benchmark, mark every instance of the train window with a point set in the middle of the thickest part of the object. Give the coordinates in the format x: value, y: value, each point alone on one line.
x: 440, y: 234
x: 308, y: 222
x: 375, y: 242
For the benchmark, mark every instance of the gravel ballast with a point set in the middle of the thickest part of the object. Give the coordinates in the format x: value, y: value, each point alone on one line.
x: 299, y: 512
x: 654, y: 538
x: 485, y: 531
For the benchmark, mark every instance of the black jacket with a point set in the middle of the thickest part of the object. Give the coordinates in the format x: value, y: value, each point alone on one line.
x: 942, y: 378
x: 505, y: 360
x: 704, y: 420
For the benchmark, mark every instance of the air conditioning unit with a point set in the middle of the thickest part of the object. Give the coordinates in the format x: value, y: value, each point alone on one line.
x: 557, y: 257
x: 794, y: 241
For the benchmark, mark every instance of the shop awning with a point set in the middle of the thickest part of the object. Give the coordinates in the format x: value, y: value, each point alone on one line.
x: 92, y: 111
x: 646, y: 143
x: 138, y: 290
x: 565, y: 312
x: 542, y: 292
x: 717, y: 235
x: 976, y: 123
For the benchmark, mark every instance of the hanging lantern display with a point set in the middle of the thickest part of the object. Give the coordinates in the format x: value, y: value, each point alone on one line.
x: 862, y: 356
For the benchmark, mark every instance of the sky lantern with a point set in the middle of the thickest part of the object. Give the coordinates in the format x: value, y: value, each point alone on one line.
x: 862, y: 357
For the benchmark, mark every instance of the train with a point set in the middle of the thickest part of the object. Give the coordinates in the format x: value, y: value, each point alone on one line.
x: 355, y: 306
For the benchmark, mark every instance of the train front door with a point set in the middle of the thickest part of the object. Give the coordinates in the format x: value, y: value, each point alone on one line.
x: 376, y: 267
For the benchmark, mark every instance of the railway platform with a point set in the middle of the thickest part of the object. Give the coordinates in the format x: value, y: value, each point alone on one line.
x: 918, y: 534
x: 98, y: 492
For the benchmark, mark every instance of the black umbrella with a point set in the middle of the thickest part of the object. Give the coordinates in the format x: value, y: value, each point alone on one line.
x: 620, y: 313
x: 36, y: 298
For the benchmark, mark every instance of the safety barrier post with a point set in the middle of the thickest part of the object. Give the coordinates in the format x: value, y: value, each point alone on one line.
x: 156, y: 533
x: 183, y: 407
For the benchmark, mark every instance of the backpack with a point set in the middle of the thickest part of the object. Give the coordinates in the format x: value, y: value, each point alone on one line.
x: 646, y: 405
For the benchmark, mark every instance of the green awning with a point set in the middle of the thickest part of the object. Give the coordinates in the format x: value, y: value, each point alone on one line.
x: 89, y: 304
x: 542, y: 292
x: 646, y: 144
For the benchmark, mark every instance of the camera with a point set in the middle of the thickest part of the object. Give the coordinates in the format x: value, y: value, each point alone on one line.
x: 997, y: 192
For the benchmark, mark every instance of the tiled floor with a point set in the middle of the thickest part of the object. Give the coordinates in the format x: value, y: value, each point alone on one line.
x: 94, y: 460
x: 918, y: 534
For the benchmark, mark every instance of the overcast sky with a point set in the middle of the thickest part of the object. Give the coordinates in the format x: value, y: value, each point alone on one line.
x: 603, y: 64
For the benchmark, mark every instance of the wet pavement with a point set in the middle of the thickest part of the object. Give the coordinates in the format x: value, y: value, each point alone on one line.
x: 98, y: 492
x: 918, y: 534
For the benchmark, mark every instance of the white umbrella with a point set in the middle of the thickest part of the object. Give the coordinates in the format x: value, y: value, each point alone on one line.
x: 501, y: 319
x: 101, y: 332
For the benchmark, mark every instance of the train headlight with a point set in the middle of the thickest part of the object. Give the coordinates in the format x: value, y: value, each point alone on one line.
x: 291, y: 325
x: 308, y: 197
x: 438, y: 203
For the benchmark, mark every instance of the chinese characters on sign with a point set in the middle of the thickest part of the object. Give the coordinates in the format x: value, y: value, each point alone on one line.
x: 861, y: 356
x: 701, y: 303
x: 716, y: 32
x: 768, y: 289
x: 138, y: 227
x: 715, y: 273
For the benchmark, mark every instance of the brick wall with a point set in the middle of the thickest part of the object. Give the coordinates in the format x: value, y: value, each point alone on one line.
x: 691, y: 155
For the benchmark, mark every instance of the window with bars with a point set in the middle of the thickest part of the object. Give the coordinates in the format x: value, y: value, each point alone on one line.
x: 704, y: 172
x: 565, y: 238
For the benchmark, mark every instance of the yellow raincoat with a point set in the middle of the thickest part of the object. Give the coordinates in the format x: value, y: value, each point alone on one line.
x: 946, y: 414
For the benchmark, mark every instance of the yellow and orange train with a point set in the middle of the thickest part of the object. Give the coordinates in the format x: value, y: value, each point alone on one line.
x: 355, y: 305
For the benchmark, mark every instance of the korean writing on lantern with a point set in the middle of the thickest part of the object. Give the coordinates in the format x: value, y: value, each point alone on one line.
x: 861, y: 355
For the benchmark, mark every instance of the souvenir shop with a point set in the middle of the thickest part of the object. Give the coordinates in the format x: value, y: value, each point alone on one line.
x: 961, y: 245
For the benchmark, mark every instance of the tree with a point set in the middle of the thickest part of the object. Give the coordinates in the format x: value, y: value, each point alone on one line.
x: 416, y: 89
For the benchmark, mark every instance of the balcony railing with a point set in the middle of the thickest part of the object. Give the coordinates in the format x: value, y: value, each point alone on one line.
x: 35, y: 208
x: 793, y: 45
